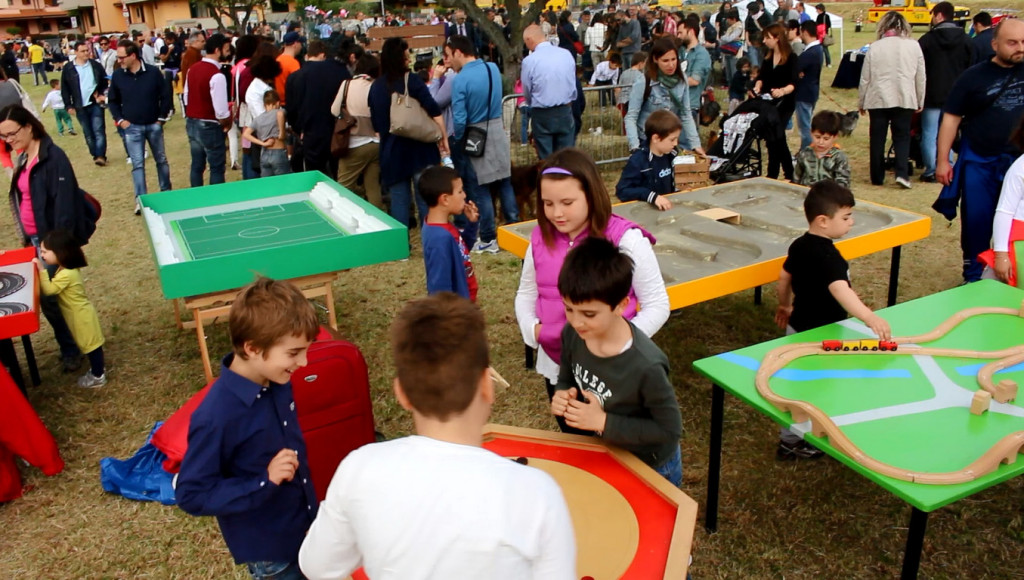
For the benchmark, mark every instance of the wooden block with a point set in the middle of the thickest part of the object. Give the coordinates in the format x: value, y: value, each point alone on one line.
x: 980, y: 402
x: 720, y: 214
x: 1006, y: 391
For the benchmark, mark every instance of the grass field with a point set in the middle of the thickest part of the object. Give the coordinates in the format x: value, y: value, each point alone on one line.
x: 792, y: 520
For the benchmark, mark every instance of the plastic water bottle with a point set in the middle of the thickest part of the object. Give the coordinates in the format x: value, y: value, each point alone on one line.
x: 447, y: 162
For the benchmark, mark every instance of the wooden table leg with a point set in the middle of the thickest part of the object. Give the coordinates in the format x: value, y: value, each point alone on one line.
x: 203, y: 350
x: 177, y: 313
x: 329, y: 297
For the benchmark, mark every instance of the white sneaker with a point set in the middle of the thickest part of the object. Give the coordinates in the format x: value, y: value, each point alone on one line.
x: 138, y: 207
x: 904, y: 182
x: 91, y: 381
x: 490, y: 247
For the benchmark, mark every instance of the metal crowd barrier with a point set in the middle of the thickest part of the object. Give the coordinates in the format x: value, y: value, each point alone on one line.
x: 602, y: 133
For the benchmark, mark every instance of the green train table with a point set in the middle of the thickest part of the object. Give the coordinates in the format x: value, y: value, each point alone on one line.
x: 210, y: 241
x: 884, y: 413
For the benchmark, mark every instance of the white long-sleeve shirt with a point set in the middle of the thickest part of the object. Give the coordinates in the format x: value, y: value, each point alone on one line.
x: 1010, y: 206
x: 53, y: 100
x: 604, y: 72
x: 418, y: 508
x: 648, y: 285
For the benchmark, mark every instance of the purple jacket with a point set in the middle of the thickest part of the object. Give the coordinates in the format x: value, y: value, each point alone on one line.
x: 548, y: 264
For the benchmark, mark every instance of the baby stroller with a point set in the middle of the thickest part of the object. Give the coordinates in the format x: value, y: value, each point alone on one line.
x: 737, y: 152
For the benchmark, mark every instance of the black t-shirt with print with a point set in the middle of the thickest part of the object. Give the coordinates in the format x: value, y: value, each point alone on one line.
x: 990, y: 98
x: 815, y: 263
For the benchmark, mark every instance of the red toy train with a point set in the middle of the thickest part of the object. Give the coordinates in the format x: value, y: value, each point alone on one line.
x: 867, y: 344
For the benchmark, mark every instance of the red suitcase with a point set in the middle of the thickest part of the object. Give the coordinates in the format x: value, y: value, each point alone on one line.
x: 332, y: 399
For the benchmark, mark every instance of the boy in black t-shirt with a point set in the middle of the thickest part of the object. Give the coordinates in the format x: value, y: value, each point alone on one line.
x: 819, y: 277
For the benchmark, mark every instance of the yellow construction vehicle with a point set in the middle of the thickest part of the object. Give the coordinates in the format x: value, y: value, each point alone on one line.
x: 917, y: 12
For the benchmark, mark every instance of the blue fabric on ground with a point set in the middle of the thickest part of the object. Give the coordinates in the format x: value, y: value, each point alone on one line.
x: 140, y: 477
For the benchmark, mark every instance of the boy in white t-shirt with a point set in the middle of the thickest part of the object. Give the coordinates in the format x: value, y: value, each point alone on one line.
x: 435, y: 504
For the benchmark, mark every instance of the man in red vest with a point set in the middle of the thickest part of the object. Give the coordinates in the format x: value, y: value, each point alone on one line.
x: 207, y: 116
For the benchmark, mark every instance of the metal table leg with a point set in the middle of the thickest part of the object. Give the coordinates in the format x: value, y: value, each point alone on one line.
x: 714, y: 458
x: 915, y: 542
x: 757, y: 296
x: 30, y: 358
x: 894, y: 274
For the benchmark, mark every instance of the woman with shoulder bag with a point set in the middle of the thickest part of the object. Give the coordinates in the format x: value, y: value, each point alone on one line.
x: 662, y: 87
x: 824, y: 23
x: 45, y: 196
x: 777, y: 81
x: 403, y: 159
x: 363, y: 157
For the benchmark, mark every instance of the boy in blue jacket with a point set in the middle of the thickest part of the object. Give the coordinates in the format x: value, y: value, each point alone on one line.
x: 445, y: 248
x: 648, y: 175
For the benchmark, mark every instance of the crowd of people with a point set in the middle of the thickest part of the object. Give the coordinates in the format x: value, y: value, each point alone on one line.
x: 591, y: 293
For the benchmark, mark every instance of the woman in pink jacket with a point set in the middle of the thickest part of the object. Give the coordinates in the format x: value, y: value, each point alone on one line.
x: 575, y: 205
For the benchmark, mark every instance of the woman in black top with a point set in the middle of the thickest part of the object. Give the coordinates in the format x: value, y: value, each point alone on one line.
x: 824, y: 20
x: 777, y: 82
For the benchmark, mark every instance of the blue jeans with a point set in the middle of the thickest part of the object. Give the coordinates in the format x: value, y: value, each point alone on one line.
x: 401, y: 194
x: 753, y: 55
x: 248, y: 170
x: 930, y: 119
x: 275, y: 571
x: 39, y: 68
x: 94, y: 129
x: 274, y: 162
x: 51, y: 310
x: 553, y: 129
x: 672, y: 468
x: 804, y: 112
x: 135, y: 139
x: 206, y: 142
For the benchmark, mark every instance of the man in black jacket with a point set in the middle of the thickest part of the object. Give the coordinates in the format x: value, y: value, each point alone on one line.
x: 947, y: 53
x: 83, y: 84
x: 981, y: 44
x: 140, y: 103
x: 310, y: 96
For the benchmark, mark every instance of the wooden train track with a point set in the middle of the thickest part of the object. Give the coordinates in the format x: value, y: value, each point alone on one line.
x: 1004, y: 451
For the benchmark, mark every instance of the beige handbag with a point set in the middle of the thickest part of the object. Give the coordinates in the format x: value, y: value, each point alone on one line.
x: 409, y: 120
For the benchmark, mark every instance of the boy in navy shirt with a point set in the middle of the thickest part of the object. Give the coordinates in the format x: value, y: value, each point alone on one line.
x: 648, y: 174
x: 445, y: 248
x: 246, y: 462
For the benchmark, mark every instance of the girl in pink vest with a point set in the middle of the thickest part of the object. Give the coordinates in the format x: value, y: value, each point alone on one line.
x: 576, y: 204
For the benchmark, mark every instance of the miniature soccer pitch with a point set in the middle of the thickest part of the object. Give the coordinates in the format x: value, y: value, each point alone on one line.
x: 270, y: 226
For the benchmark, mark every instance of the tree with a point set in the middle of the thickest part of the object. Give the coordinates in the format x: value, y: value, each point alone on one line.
x: 219, y: 9
x: 512, y: 49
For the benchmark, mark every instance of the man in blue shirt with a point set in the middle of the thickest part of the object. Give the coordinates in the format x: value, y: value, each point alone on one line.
x: 140, y: 102
x: 808, y: 84
x: 476, y: 80
x: 549, y: 88
x: 246, y: 461
x: 82, y: 85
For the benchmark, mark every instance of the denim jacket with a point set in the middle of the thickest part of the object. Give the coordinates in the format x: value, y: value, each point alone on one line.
x: 659, y: 99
